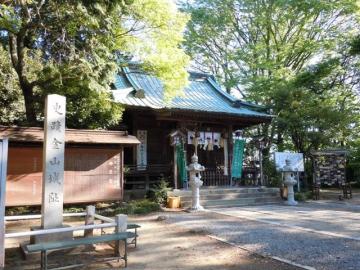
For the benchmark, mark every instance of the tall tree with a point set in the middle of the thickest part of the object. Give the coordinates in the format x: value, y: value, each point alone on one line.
x: 75, y: 47
x: 259, y: 47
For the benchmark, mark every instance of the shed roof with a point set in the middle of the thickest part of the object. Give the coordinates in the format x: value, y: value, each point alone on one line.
x: 134, y: 87
x: 330, y: 152
x: 73, y: 136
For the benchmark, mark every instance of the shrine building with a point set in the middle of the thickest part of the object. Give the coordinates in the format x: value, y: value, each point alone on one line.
x: 204, y: 111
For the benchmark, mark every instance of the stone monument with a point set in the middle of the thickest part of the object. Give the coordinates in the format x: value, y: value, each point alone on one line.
x: 195, y: 182
x: 289, y: 181
x: 53, y: 162
x: 53, y: 172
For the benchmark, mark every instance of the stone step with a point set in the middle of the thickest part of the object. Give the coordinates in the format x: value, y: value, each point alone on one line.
x: 210, y: 191
x: 231, y: 196
x: 235, y: 202
x: 241, y: 204
x: 211, y: 197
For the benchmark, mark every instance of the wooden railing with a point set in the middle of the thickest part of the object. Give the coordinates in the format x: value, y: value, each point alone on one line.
x: 89, y: 223
x: 140, y: 178
x: 215, y: 177
x: 145, y: 177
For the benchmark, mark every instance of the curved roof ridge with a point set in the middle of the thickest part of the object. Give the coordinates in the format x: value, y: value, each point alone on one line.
x: 202, y: 94
x: 128, y: 77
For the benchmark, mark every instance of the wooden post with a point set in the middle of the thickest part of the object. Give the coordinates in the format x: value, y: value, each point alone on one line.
x: 121, y: 226
x: 175, y: 169
x: 122, y: 173
x: 3, y: 174
x: 89, y: 220
x: 230, y: 151
x: 298, y: 181
x: 226, y: 157
x: 147, y: 182
x: 261, y: 167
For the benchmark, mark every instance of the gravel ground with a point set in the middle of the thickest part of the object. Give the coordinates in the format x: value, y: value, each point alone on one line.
x: 326, y: 218
x: 306, y: 248
x: 161, y: 246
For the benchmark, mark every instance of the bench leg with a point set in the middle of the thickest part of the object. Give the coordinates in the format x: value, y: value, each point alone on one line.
x: 125, y: 254
x: 118, y: 252
x: 135, y: 237
x: 43, y: 260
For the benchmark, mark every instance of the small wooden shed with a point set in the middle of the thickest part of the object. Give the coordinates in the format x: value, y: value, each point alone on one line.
x: 94, y: 165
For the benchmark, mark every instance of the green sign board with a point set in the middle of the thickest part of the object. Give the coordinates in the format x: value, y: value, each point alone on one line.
x: 238, y: 156
x: 181, y: 162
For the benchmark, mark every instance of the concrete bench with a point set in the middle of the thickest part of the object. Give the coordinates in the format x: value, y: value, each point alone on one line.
x: 134, y: 227
x: 58, y: 245
x: 131, y: 226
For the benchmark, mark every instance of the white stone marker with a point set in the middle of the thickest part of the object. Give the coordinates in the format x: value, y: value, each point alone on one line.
x: 3, y: 174
x: 53, y: 162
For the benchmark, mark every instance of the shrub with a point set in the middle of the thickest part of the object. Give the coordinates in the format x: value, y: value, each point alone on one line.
x: 159, y: 193
x: 303, y: 196
x: 144, y: 206
x: 273, y: 176
x: 22, y: 210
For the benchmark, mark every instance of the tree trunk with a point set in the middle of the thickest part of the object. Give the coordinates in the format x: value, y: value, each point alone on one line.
x: 17, y: 53
x: 29, y: 104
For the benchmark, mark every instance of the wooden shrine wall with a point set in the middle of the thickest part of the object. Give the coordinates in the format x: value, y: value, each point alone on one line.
x: 91, y: 174
x: 159, y: 150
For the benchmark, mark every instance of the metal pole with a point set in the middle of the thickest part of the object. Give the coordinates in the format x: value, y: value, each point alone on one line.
x: 3, y: 173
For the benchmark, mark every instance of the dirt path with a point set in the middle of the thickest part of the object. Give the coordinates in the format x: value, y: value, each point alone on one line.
x: 177, y: 248
x: 162, y: 246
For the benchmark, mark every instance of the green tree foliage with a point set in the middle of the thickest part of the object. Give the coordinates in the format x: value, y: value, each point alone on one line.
x: 318, y: 108
x: 11, y: 106
x: 287, y: 55
x: 75, y: 47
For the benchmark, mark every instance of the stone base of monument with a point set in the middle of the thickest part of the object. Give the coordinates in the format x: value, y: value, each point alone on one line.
x: 191, y: 210
x: 195, y: 209
x: 50, y: 237
x: 35, y: 239
x: 291, y: 202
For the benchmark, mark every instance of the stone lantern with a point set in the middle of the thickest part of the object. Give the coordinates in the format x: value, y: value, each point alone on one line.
x: 195, y: 182
x: 289, y: 181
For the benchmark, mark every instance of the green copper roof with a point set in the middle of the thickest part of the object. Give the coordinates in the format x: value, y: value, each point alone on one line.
x: 136, y: 88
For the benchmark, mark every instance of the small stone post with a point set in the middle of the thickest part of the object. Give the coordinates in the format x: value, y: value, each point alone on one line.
x: 89, y: 220
x: 195, y: 182
x: 289, y: 181
x: 121, y: 226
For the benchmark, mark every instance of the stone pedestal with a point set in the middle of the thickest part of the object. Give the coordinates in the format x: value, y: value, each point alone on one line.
x: 35, y: 239
x: 289, y: 181
x: 50, y: 237
x: 195, y: 182
x: 195, y: 189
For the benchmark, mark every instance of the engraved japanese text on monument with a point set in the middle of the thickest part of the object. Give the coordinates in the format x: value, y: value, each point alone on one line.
x: 53, y: 162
